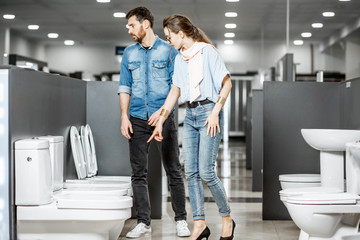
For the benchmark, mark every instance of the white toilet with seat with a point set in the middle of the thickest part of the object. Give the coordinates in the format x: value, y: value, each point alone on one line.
x: 72, y: 215
x: 299, y: 180
x: 329, y: 213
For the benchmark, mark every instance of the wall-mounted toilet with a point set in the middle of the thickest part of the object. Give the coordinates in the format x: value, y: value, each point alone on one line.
x: 48, y: 215
x: 299, y: 180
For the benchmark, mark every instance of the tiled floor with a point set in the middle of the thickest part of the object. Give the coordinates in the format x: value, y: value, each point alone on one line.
x: 245, y: 206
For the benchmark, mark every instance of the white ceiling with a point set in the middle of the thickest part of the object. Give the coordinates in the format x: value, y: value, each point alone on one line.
x: 87, y: 21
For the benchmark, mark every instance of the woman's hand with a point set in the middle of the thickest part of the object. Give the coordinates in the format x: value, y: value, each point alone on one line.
x: 153, y: 120
x: 213, y: 124
x: 157, y: 134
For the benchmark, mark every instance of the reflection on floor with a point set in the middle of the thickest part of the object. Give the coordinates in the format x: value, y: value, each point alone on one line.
x: 245, y: 205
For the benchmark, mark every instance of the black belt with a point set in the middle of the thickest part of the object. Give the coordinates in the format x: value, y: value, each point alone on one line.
x: 198, y: 103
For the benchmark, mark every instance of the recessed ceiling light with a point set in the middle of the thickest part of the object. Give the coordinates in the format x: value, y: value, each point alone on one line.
x: 119, y: 14
x: 53, y: 35
x: 233, y: 0
x: 8, y: 16
x: 230, y: 25
x: 328, y: 14
x: 306, y: 34
x: 103, y: 1
x: 33, y: 27
x: 69, y: 42
x: 229, y: 35
x: 298, y: 42
x: 229, y: 42
x: 317, y: 25
x: 344, y: 0
x: 230, y: 14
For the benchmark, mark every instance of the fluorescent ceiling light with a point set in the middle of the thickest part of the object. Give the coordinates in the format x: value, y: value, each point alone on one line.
x: 328, y: 14
x: 230, y: 25
x: 317, y: 25
x: 229, y: 42
x: 53, y: 35
x: 119, y: 14
x: 298, y: 42
x: 103, y: 1
x: 233, y: 0
x: 306, y: 34
x: 8, y: 16
x: 69, y: 42
x: 344, y: 0
x: 229, y: 35
x: 230, y: 14
x: 33, y: 27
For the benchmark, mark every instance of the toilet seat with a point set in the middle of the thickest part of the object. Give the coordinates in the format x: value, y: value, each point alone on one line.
x: 77, y: 152
x: 324, y: 199
x: 300, y: 177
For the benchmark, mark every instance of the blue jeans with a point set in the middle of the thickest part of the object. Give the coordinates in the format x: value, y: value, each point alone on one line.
x: 200, y: 153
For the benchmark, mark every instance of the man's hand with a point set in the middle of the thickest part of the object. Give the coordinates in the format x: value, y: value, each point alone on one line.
x: 126, y: 127
x: 154, y: 118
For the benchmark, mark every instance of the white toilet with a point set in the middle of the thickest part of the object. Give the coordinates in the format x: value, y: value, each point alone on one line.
x: 299, y: 180
x: 324, y: 213
x: 86, y: 165
x: 47, y: 215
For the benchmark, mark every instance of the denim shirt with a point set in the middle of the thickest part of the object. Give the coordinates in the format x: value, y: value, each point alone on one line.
x: 213, y: 75
x: 146, y: 75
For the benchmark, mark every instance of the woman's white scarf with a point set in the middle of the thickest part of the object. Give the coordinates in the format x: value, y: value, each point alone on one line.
x: 196, y: 67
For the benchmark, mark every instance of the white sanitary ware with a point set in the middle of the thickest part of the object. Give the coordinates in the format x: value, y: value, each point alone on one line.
x: 72, y: 215
x: 299, y: 180
x: 84, y: 154
x: 329, y: 213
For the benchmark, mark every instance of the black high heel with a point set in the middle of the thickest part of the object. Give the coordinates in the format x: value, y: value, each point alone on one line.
x: 232, y: 234
x: 204, y: 234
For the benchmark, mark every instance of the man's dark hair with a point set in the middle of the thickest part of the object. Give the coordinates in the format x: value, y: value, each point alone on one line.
x: 141, y: 13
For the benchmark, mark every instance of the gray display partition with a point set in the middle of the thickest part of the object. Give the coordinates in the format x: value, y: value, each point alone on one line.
x: 289, y: 107
x: 257, y: 140
x: 103, y: 116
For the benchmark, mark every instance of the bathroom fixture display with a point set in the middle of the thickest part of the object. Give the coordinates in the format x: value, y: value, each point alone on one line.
x: 330, y: 216
x: 299, y: 180
x: 331, y: 144
x: 75, y: 214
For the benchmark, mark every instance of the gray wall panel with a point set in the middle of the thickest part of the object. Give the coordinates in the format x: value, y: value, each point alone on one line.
x: 288, y: 107
x: 350, y: 99
x: 257, y: 138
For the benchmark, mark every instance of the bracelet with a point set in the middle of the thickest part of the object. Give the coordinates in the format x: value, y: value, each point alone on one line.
x: 221, y: 100
x: 164, y: 113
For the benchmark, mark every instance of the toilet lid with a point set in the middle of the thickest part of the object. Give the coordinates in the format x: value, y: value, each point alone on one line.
x: 94, y: 202
x: 91, y: 146
x: 312, y: 190
x: 324, y: 198
x: 300, y: 177
x: 86, y: 151
x: 77, y: 153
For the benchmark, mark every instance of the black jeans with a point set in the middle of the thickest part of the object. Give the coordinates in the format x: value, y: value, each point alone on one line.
x: 139, y: 149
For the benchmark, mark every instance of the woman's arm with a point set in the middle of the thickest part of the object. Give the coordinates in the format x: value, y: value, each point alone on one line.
x: 169, y: 103
x: 213, y: 118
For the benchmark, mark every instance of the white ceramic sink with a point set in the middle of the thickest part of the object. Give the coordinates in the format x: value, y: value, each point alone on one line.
x: 329, y: 139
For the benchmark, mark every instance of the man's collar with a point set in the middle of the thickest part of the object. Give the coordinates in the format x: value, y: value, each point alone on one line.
x: 153, y: 46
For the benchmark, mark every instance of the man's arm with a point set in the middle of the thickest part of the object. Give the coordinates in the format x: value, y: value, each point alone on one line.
x: 126, y: 126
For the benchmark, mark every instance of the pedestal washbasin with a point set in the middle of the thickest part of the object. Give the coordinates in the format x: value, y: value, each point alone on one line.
x: 331, y: 144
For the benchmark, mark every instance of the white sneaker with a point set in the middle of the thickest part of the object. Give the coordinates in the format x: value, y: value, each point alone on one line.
x: 139, y: 230
x: 181, y: 229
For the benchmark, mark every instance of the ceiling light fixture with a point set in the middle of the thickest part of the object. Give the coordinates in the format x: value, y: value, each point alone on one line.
x: 53, y: 35
x: 230, y: 14
x: 328, y: 14
x: 33, y: 27
x: 298, y: 42
x: 230, y: 25
x: 317, y: 25
x: 229, y: 35
x: 228, y: 42
x: 344, y: 0
x: 69, y: 42
x: 233, y: 0
x: 119, y: 14
x: 103, y: 1
x: 8, y: 16
x: 306, y: 34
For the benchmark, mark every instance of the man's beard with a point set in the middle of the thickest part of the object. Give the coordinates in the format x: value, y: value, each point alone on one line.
x: 141, y: 35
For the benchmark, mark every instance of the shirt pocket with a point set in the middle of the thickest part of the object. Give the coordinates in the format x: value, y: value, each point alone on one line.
x: 134, y: 68
x: 159, y: 69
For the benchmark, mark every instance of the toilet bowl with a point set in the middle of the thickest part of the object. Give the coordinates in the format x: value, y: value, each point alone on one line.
x: 299, y: 180
x: 86, y: 166
x: 76, y: 214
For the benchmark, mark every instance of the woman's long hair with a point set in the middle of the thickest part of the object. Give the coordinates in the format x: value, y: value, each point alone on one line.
x: 177, y: 22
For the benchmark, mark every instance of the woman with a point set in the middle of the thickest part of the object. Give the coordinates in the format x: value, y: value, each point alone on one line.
x: 203, y: 82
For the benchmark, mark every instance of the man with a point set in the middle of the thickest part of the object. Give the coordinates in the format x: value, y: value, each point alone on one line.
x: 145, y: 81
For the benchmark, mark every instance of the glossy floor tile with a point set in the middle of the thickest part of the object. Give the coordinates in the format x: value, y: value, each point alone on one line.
x: 245, y: 205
